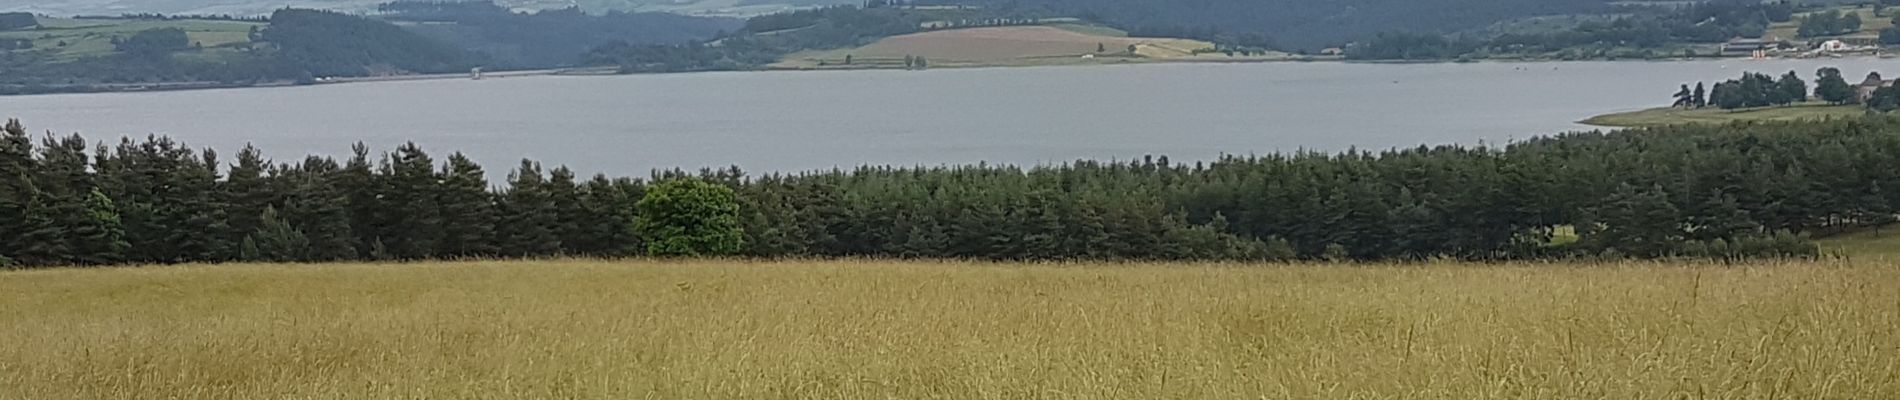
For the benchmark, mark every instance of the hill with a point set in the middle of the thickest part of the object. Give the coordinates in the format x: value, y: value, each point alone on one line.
x: 916, y: 330
x: 154, y: 52
x: 1014, y: 46
x: 72, y: 39
x: 547, y: 38
x: 1661, y: 116
x: 333, y: 44
x: 1872, y: 22
x: 723, y: 8
x: 1299, y: 24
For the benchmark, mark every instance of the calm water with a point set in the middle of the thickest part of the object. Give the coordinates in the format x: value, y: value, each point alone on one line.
x: 788, y: 121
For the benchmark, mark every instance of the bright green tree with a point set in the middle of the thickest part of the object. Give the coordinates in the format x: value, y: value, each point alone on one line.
x: 690, y: 217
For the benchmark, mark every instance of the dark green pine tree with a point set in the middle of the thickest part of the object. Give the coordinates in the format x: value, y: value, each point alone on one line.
x: 612, y: 206
x: 922, y: 237
x: 1700, y: 98
x: 276, y: 240
x: 17, y: 191
x: 65, y: 184
x: 570, y: 215
x: 191, y: 213
x: 468, y: 226
x: 415, y: 226
x: 362, y: 191
x: 1638, y: 221
x: 320, y: 210
x: 247, y: 192
x: 528, y: 215
x: 1792, y: 88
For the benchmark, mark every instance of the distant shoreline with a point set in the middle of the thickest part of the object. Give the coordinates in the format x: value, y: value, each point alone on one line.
x: 184, y: 86
x: 614, y: 71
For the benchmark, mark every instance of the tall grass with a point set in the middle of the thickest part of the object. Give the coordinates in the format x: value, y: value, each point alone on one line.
x: 864, y: 329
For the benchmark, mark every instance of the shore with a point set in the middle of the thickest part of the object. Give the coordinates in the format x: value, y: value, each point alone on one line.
x: 783, y: 66
x: 201, y: 85
x: 1662, y: 116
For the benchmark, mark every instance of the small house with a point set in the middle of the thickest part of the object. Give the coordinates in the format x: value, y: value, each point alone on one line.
x: 1744, y: 47
x: 1865, y: 90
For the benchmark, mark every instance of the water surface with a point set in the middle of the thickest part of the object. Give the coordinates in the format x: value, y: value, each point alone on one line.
x: 793, y: 121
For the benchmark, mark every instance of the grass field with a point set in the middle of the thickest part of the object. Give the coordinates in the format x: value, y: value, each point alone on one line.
x: 1060, y: 44
x: 1670, y: 116
x: 93, y: 37
x: 1870, y: 25
x: 1868, y: 244
x: 863, y: 329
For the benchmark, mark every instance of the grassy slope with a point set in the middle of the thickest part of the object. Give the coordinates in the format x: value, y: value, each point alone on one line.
x: 93, y: 37
x: 1882, y: 244
x: 1668, y: 116
x: 1062, y: 45
x: 1870, y: 25
x: 851, y: 329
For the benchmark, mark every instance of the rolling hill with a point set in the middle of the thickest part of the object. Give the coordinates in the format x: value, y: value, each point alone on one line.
x: 1059, y: 44
x: 1302, y: 24
x: 738, y: 8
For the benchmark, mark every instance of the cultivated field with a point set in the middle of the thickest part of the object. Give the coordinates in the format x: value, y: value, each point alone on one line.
x: 1015, y: 46
x: 76, y: 38
x: 855, y: 330
x: 1870, y: 24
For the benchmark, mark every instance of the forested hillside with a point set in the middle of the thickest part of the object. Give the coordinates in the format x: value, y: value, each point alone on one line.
x: 1727, y: 191
x: 548, y: 38
x: 764, y: 39
x: 1633, y: 31
x: 334, y: 44
x: 1298, y: 24
x: 296, y: 45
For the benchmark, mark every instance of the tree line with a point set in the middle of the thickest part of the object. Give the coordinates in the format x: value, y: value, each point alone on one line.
x: 547, y: 38
x: 1298, y: 24
x: 1829, y: 23
x: 1733, y: 191
x: 1760, y: 90
x: 1638, y: 30
x: 298, y: 45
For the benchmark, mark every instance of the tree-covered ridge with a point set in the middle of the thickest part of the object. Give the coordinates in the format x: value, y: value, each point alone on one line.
x: 328, y: 43
x: 1717, y: 191
x: 301, y: 45
x: 764, y: 39
x: 547, y: 38
x: 1630, y: 27
x: 296, y: 46
x: 1297, y: 24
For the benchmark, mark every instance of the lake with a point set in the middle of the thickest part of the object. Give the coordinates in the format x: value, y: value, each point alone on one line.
x: 795, y: 121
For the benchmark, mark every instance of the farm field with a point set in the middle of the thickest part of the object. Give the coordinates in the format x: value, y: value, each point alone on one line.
x: 873, y: 329
x: 1669, y: 116
x: 1015, y: 46
x: 78, y: 38
x: 1881, y: 244
x: 1870, y: 25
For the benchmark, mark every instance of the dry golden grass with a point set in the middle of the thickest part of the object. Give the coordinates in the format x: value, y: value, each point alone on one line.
x: 861, y: 329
